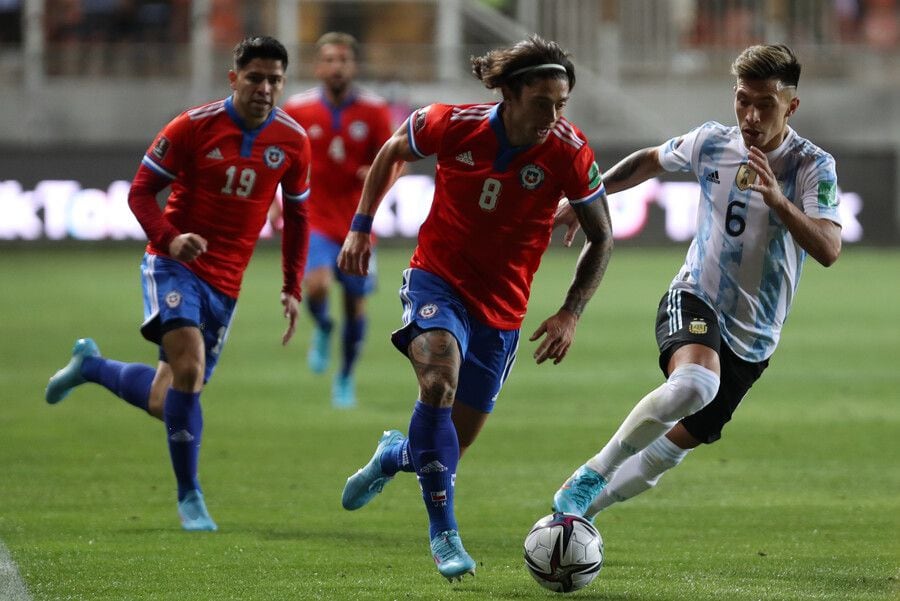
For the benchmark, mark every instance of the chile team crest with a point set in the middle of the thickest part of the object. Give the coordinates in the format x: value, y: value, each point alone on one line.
x: 273, y: 156
x: 428, y: 311
x: 531, y: 176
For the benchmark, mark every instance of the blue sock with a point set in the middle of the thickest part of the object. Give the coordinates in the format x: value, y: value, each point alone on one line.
x: 319, y: 312
x: 354, y: 332
x: 435, y: 452
x: 397, y: 459
x: 129, y: 381
x: 184, y: 427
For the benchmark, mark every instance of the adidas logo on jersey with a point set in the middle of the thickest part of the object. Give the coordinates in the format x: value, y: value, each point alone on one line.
x: 713, y: 177
x: 215, y: 153
x: 466, y: 158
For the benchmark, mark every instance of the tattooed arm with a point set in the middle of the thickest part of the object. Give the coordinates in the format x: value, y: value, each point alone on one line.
x: 560, y: 328
x: 634, y: 169
x: 637, y: 167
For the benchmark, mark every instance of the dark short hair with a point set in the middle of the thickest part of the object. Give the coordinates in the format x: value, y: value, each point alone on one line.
x: 259, y: 47
x: 338, y: 38
x: 522, y: 64
x: 769, y: 61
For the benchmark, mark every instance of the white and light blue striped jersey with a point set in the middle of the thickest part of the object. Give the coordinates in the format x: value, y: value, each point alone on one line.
x: 743, y: 262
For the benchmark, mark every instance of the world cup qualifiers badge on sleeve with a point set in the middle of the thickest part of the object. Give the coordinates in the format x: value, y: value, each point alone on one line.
x: 161, y: 147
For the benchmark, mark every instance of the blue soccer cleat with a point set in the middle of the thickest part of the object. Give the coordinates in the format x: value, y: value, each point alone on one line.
x: 319, y: 352
x: 193, y: 513
x: 367, y: 482
x: 343, y: 392
x: 450, y: 557
x: 62, y: 382
x: 579, y: 491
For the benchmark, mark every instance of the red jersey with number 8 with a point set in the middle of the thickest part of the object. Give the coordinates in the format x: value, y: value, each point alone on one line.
x: 492, y: 214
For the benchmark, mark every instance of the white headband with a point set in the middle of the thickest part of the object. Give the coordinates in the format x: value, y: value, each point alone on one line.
x: 555, y: 66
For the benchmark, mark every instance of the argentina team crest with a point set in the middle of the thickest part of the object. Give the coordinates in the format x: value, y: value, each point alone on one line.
x: 274, y: 157
x: 531, y: 176
x: 745, y: 177
x: 698, y: 327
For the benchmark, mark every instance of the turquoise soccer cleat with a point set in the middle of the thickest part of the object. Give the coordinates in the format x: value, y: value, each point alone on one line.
x: 368, y: 481
x: 62, y: 382
x: 579, y: 491
x: 193, y: 513
x: 450, y: 557
x: 319, y: 351
x: 343, y: 392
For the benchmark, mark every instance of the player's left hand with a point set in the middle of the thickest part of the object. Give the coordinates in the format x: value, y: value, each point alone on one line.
x: 560, y: 331
x: 765, y: 183
x: 291, y: 312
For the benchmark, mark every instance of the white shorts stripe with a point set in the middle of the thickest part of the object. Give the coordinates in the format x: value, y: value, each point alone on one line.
x: 673, y: 308
x: 152, y: 298
x: 404, y: 297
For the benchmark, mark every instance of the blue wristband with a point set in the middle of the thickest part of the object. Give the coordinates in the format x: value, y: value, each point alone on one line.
x: 361, y: 223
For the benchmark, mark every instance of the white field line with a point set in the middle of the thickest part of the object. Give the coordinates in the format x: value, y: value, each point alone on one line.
x: 12, y: 587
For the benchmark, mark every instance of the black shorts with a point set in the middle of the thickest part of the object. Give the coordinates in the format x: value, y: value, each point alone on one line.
x: 682, y: 319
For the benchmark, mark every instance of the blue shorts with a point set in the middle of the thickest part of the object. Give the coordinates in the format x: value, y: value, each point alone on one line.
x: 174, y: 297
x: 323, y: 252
x: 488, y: 354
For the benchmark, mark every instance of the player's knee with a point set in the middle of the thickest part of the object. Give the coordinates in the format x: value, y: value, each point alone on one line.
x: 690, y: 388
x: 437, y: 386
x: 187, y: 373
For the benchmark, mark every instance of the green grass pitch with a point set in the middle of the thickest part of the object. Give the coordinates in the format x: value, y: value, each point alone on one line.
x: 799, y: 501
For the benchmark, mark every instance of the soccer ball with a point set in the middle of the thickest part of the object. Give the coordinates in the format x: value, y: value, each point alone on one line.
x: 563, y: 552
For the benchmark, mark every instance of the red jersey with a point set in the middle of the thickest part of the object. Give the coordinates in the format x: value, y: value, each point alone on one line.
x: 223, y: 180
x: 343, y: 139
x: 493, y: 207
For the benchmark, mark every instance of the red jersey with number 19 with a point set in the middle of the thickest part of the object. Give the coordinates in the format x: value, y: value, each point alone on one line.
x: 493, y: 207
x: 224, y: 178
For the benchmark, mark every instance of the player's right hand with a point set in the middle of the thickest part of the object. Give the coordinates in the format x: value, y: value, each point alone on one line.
x: 355, y: 254
x: 187, y: 247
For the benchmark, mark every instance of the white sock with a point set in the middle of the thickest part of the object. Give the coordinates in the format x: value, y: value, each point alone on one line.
x: 688, y: 389
x: 639, y: 473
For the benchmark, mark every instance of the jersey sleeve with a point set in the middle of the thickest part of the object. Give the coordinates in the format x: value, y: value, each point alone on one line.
x: 159, y: 167
x: 295, y: 182
x: 295, y: 240
x: 585, y: 183
x: 677, y: 153
x: 818, y: 188
x: 170, y: 149
x: 425, y: 128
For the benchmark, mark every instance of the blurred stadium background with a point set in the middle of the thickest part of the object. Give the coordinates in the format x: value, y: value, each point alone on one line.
x: 87, y: 83
x: 85, y: 498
